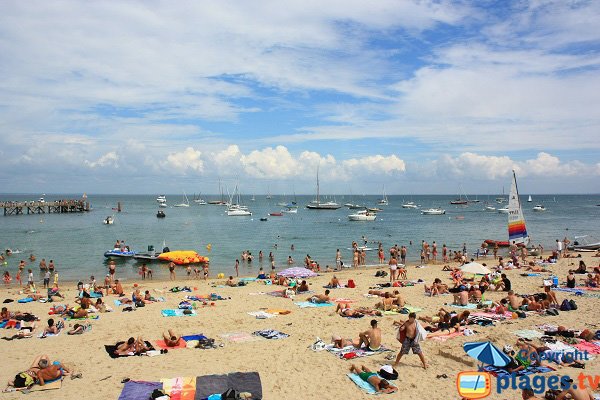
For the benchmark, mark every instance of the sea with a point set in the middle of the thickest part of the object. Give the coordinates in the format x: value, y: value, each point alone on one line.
x: 77, y: 242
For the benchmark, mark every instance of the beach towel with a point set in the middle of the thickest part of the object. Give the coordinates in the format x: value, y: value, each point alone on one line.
x: 276, y: 293
x: 446, y: 337
x: 496, y: 371
x: 239, y: 337
x: 198, y: 336
x: 42, y: 335
x: 308, y: 304
x: 364, y: 385
x: 349, y: 352
x: 25, y: 300
x: 529, y: 333
x: 161, y: 344
x: 110, y: 349
x: 181, y: 388
x: 469, y: 306
x: 56, y: 384
x: 342, y: 300
x: 80, y: 319
x: 277, y: 311
x: 271, y: 334
x: 261, y: 314
x: 135, y: 390
x: 591, y: 348
x: 493, y: 316
x: 412, y: 309
x: 241, y: 381
x: 390, y: 312
x: 248, y: 279
x: 177, y: 313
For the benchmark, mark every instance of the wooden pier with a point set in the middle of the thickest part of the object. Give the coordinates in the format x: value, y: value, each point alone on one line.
x: 44, y: 207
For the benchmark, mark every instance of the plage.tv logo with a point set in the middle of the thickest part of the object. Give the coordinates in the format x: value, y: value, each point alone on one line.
x: 474, y: 384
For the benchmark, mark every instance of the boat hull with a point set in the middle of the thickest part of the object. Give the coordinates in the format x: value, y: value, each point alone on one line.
x: 119, y: 254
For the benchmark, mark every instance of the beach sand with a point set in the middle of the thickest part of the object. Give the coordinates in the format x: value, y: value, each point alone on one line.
x: 287, y: 367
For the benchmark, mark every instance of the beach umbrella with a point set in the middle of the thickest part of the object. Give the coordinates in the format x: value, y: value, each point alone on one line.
x: 297, y: 272
x: 475, y: 268
x: 487, y: 353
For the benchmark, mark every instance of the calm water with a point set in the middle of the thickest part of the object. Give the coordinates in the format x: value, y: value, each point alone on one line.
x: 77, y: 242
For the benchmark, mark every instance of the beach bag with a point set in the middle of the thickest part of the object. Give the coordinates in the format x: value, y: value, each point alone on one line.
x: 351, y: 284
x: 565, y: 306
x: 552, y: 311
x: 388, y: 372
x: 158, y: 394
x: 140, y: 304
x: 319, y: 345
x: 521, y: 314
x: 230, y: 394
x: 573, y: 304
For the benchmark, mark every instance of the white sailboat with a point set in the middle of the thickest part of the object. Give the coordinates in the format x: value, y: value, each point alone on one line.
x: 237, y: 209
x: 186, y: 202
x: 384, y: 199
x: 200, y: 201
x: 529, y: 199
x: 317, y: 204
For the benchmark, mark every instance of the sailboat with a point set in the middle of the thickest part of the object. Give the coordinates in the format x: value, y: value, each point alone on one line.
x: 500, y: 200
x: 221, y: 202
x: 317, y: 204
x: 517, y: 231
x: 186, y: 202
x: 460, y: 200
x: 200, y: 201
x: 237, y: 209
x: 253, y: 198
x: 529, y: 199
x: 269, y: 197
x: 384, y: 200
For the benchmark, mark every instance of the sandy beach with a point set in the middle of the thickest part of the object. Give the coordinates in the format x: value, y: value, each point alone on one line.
x: 288, y: 368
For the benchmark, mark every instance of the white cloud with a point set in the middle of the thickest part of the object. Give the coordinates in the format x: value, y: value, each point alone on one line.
x: 184, y: 161
x: 270, y: 163
x: 375, y: 164
x: 109, y: 159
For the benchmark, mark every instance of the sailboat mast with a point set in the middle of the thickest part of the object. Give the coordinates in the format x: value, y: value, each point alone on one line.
x: 317, y: 183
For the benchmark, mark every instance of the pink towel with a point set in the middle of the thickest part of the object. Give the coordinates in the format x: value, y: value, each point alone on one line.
x: 591, y: 348
x: 446, y: 337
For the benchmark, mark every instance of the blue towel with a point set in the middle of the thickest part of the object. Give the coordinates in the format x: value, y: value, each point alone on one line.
x: 187, y: 338
x: 308, y: 304
x: 118, y: 303
x: 469, y: 306
x: 25, y: 300
x: 365, y: 386
x: 177, y: 313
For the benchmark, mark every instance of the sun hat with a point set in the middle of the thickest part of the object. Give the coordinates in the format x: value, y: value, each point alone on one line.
x: 388, y: 372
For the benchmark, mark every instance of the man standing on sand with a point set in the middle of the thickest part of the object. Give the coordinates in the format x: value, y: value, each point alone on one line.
x: 371, y: 338
x: 338, y: 259
x: 237, y: 268
x: 172, y: 271
x: 407, y: 335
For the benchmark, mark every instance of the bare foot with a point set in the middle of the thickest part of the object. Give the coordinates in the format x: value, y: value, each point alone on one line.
x: 424, y: 366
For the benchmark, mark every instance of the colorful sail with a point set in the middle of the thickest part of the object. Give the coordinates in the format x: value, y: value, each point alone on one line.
x: 517, y: 232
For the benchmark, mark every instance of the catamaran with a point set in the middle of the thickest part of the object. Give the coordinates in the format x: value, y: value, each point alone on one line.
x: 317, y: 204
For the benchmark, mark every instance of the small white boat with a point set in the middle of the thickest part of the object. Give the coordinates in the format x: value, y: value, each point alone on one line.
x: 161, y: 199
x: 585, y: 243
x: 108, y: 220
x: 539, y: 207
x: 162, y: 205
x: 529, y: 200
x: 433, y: 211
x: 503, y: 210
x: 238, y: 212
x: 290, y: 211
x: 489, y: 208
x: 410, y: 204
x: 362, y: 216
x: 384, y: 199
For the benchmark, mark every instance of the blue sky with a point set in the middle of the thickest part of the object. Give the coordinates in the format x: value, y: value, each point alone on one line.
x: 422, y: 96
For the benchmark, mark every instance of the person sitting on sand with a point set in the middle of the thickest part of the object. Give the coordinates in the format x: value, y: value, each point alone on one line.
x: 514, y: 302
x: 230, y: 282
x: 387, y: 303
x: 320, y: 298
x: 339, y: 343
x: 571, y: 280
x: 498, y: 307
x: 334, y: 283
x: 381, y: 385
x: 371, y: 338
x: 51, y: 328
x: 303, y: 287
x: 504, y: 284
x: 171, y: 339
x: 590, y: 281
x: 118, y: 288
x: 551, y: 296
x: 475, y: 294
x: 461, y: 298
x: 582, y: 269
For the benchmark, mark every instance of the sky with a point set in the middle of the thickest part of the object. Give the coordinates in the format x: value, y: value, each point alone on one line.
x: 422, y: 97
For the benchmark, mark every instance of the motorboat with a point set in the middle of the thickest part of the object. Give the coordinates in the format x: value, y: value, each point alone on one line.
x: 409, y: 204
x: 150, y: 255
x: 433, y: 211
x: 290, y: 210
x: 374, y: 209
x: 161, y: 199
x: 108, y: 220
x: 160, y: 214
x: 276, y: 214
x: 489, y: 208
x: 459, y: 202
x: 263, y: 219
x: 237, y: 212
x: 503, y: 210
x: 539, y: 207
x: 362, y: 216
x: 117, y: 253
x: 585, y: 243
